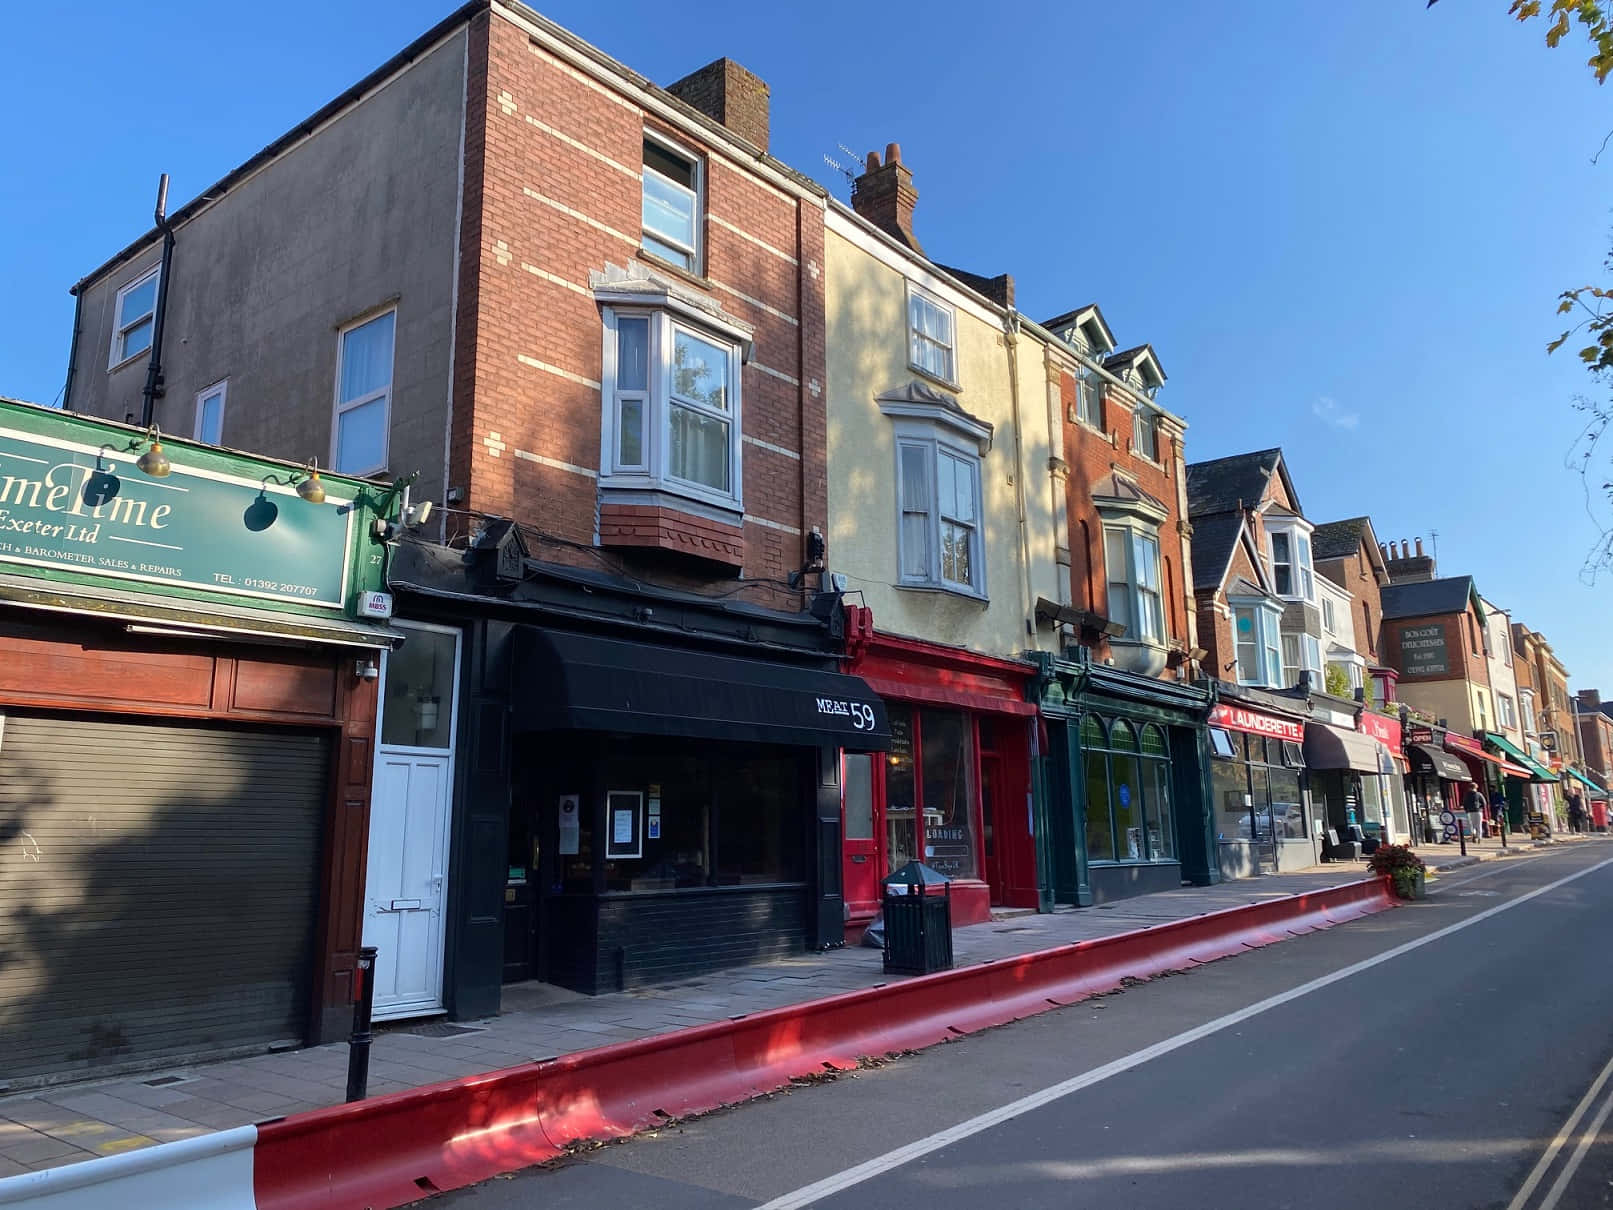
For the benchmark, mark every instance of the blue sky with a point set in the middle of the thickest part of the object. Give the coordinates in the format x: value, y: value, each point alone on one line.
x: 1342, y: 227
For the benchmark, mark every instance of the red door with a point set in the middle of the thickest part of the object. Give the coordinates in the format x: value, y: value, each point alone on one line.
x: 861, y: 831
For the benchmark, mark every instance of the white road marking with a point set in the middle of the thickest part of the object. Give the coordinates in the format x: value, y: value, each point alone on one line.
x: 1555, y: 1193
x: 829, y: 1185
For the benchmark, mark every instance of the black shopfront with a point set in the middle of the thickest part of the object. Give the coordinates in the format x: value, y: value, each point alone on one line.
x: 649, y: 781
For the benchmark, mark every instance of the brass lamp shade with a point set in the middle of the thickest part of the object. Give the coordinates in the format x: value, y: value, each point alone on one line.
x: 154, y: 462
x: 311, y: 489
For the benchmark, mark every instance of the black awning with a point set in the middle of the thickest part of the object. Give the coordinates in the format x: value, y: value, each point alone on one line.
x: 1428, y: 759
x: 1329, y: 747
x: 566, y: 681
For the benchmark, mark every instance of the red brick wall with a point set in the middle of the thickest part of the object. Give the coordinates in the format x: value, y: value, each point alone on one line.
x: 552, y: 195
x: 1215, y: 628
x: 1091, y: 458
x: 1460, y: 662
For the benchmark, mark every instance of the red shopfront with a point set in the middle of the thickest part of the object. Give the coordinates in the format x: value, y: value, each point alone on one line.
x: 954, y: 791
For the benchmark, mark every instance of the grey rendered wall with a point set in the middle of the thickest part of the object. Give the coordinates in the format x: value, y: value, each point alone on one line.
x: 360, y: 214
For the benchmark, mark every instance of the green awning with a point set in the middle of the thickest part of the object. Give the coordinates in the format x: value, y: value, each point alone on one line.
x: 1588, y: 783
x: 1539, y: 771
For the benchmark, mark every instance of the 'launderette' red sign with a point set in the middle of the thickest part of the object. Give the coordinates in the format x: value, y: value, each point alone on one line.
x: 1238, y: 719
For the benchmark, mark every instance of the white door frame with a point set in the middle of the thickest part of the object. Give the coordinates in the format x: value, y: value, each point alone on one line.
x: 445, y: 837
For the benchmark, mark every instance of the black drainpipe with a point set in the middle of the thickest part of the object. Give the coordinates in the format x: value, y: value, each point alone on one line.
x: 72, y: 349
x: 153, y: 388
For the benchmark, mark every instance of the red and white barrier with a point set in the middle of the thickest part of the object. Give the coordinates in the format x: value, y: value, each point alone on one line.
x: 399, y: 1148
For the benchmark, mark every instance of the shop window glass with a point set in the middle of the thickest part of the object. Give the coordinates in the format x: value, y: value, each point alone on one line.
x: 859, y: 796
x: 901, y: 825
x: 947, y: 777
x: 760, y: 820
x: 1287, y: 810
x: 1127, y: 794
x: 1229, y: 780
x: 1100, y: 836
x: 418, y: 705
x: 1161, y: 823
x: 718, y: 818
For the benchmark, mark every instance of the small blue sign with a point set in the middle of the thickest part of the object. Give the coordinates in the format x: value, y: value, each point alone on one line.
x: 1125, y: 795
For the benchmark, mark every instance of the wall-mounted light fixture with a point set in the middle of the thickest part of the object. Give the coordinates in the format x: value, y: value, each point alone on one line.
x: 311, y: 489
x: 154, y: 462
x: 366, y: 669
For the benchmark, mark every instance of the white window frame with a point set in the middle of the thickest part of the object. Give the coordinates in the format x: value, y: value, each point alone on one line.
x: 339, y: 406
x: 1309, y: 659
x: 655, y: 472
x: 1131, y: 583
x: 1267, y: 639
x: 1089, y: 399
x: 697, y: 172
x: 1526, y: 704
x: 116, y: 357
x: 221, y: 388
x: 1505, y: 711
x: 1301, y: 564
x: 917, y: 295
x: 933, y: 446
x: 1145, y: 420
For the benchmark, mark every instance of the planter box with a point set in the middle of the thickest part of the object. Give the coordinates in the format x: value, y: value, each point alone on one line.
x: 1410, y: 884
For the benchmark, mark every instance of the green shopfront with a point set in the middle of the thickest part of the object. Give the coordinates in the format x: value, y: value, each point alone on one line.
x: 1124, y: 782
x: 187, y: 709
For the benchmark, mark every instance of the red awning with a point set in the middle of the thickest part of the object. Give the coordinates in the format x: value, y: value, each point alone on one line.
x: 1512, y: 770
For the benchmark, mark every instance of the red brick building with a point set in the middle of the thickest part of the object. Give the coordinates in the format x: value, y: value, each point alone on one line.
x: 583, y: 315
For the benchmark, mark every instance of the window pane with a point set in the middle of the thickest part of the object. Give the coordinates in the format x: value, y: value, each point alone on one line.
x: 137, y: 339
x: 669, y: 210
x: 859, y: 796
x: 630, y: 433
x: 674, y: 256
x: 915, y: 479
x: 1146, y: 553
x: 1288, y: 813
x: 1153, y: 741
x: 915, y: 512
x: 418, y: 711
x: 632, y: 353
x: 361, y: 438
x: 699, y: 448
x: 142, y: 300
x: 700, y: 371
x: 210, y: 424
x: 946, y: 485
x: 367, y: 357
x: 957, y: 553
x: 1279, y: 548
x: 759, y: 819
x: 949, y: 838
x: 1229, y: 781
x: 1161, y: 820
x: 669, y: 164
x: 1093, y: 733
x: 1100, y: 831
x: 901, y: 828
x: 1248, y: 646
x: 1128, y: 802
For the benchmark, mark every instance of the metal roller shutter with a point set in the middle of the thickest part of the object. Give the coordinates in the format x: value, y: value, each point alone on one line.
x: 158, y: 889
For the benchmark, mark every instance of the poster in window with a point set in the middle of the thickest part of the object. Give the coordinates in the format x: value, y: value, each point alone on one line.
x: 624, y: 838
x: 652, y: 825
x: 570, y: 820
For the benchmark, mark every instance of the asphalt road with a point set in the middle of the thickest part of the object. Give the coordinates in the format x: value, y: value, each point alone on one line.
x: 1454, y: 1053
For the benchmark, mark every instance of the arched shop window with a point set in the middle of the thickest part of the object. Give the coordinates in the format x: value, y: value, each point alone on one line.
x: 1128, y: 777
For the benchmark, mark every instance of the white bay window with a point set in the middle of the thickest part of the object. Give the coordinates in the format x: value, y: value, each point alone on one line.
x: 1132, y: 561
x: 1256, y: 637
x: 672, y: 418
x: 1291, y: 563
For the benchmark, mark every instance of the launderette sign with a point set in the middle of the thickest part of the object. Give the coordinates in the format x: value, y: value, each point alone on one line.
x: 78, y: 507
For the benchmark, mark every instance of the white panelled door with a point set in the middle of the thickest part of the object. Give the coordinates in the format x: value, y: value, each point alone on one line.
x: 404, y: 885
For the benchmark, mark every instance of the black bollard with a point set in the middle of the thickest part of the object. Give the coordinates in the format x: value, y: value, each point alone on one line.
x: 358, y: 1046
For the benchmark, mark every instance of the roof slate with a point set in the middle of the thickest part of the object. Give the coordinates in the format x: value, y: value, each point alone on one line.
x: 1422, y: 598
x: 1214, y: 539
x: 1337, y: 539
x: 1222, y: 484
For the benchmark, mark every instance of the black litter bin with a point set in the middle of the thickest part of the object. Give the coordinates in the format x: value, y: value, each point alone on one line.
x: 917, y: 906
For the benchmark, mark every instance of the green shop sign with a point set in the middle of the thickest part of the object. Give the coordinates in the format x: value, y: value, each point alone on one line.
x: 73, y: 500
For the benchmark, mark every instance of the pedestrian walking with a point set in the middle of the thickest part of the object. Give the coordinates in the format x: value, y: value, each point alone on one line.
x: 1473, y: 805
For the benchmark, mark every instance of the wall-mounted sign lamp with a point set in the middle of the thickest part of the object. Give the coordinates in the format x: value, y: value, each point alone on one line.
x: 154, y: 462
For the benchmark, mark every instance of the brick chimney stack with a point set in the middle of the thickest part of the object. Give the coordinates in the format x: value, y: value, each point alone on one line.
x: 1406, y: 567
x: 884, y: 195
x: 733, y: 96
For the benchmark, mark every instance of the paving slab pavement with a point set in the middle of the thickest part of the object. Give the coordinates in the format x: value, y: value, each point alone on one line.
x: 50, y: 1126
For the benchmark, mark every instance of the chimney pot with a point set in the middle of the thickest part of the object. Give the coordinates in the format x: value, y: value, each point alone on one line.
x: 884, y: 195
x: 1419, y: 548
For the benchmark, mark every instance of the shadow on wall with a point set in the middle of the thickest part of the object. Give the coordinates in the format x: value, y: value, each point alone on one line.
x: 158, y: 924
